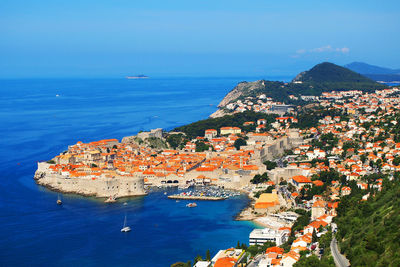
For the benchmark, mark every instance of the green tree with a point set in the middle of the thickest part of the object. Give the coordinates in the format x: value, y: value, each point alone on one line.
x: 253, y: 250
x: 208, y: 257
x: 239, y: 142
x: 301, y: 222
x: 198, y: 258
x: 268, y: 190
x: 176, y: 140
x: 368, y: 230
x: 180, y: 264
x: 325, y: 240
x: 314, y: 236
x: 201, y: 146
x: 363, y: 158
x: 270, y: 164
x: 256, y: 249
x: 396, y: 161
x: 312, y: 261
x: 260, y: 178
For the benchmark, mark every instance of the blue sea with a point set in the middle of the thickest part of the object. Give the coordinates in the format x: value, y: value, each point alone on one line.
x: 39, y: 118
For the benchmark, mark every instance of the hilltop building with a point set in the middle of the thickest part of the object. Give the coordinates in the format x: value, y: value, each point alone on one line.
x: 210, y: 134
x: 230, y: 130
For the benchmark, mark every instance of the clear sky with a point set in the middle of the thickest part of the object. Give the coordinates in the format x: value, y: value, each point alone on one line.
x: 113, y: 38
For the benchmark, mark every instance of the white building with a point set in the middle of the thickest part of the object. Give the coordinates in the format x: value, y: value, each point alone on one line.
x: 260, y: 236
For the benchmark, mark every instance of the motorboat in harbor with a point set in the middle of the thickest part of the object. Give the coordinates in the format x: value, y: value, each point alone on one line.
x: 59, y: 202
x: 183, y: 187
x: 191, y: 205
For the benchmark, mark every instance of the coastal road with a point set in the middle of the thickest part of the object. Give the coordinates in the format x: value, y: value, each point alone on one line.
x: 340, y: 260
x: 255, y: 261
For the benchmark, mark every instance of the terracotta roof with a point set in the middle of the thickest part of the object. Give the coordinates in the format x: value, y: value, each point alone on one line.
x: 318, y: 183
x: 319, y: 204
x: 301, y: 179
x: 225, y: 262
x: 277, y: 250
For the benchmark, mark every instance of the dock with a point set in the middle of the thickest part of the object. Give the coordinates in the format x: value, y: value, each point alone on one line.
x: 196, y: 197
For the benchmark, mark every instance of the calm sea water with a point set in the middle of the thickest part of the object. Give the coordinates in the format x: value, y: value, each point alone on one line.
x: 37, y: 125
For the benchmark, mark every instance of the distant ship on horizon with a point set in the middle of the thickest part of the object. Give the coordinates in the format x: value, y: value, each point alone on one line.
x: 141, y: 76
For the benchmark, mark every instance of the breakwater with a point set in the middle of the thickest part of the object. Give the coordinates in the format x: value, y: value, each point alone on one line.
x: 196, y: 197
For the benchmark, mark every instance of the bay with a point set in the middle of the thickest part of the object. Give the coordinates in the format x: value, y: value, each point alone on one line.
x: 39, y: 118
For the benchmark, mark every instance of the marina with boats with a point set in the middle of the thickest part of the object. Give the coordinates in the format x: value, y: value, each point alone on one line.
x: 204, y: 193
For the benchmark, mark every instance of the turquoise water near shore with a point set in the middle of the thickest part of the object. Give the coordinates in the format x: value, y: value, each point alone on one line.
x: 37, y: 125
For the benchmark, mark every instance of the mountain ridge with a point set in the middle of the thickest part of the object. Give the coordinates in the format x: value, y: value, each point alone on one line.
x: 365, y: 68
x: 374, y: 72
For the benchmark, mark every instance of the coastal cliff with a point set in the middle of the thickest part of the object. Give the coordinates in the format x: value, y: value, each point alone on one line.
x: 240, y: 90
x: 243, y: 89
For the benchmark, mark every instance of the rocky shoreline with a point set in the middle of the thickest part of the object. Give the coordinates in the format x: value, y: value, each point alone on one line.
x: 218, y: 113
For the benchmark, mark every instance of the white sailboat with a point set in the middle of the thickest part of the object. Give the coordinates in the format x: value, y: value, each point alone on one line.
x: 125, y: 228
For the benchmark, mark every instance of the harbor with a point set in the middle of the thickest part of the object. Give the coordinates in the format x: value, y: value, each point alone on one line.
x: 88, y: 223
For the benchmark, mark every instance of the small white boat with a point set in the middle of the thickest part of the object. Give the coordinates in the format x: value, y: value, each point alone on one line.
x: 165, y: 193
x: 59, y: 202
x: 191, y: 205
x: 125, y: 228
x: 182, y: 187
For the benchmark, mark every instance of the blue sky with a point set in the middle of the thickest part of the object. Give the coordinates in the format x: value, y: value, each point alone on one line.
x: 102, y: 38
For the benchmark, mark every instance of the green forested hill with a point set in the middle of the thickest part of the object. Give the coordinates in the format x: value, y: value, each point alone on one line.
x: 369, y: 231
x: 328, y: 76
x: 329, y: 72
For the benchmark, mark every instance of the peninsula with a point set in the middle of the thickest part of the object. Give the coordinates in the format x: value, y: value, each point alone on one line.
x: 228, y: 157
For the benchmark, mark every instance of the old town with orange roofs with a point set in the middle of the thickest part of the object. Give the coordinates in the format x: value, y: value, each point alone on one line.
x: 294, y: 175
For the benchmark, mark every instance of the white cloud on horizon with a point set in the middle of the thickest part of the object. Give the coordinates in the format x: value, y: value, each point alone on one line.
x: 322, y: 49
